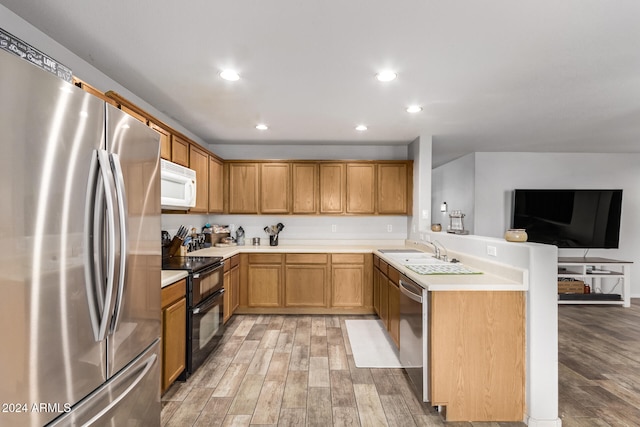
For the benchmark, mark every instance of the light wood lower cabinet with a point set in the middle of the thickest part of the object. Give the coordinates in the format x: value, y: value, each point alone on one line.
x: 231, y: 283
x: 351, y: 283
x: 305, y: 280
x: 477, y: 355
x: 174, y: 332
x: 264, y: 280
x: 394, y: 312
x: 318, y: 283
x: 388, y: 298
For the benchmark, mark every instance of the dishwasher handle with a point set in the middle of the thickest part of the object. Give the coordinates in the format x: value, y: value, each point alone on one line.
x: 411, y: 291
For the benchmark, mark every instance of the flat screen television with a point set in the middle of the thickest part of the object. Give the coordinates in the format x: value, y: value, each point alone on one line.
x: 569, y: 218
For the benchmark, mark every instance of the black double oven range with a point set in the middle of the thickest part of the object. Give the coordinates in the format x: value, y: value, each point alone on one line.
x: 204, y: 305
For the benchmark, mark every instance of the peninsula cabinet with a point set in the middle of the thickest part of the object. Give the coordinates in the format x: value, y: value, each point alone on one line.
x: 275, y: 188
x: 199, y: 162
x: 477, y: 354
x: 243, y: 188
x: 174, y: 332
x: 216, y: 185
x: 360, y: 188
x: 179, y: 151
x: 304, y: 184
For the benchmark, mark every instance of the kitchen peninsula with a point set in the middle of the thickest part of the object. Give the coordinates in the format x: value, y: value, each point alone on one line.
x: 338, y: 278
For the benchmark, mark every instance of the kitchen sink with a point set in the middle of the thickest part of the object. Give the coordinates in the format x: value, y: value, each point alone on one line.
x: 414, y: 258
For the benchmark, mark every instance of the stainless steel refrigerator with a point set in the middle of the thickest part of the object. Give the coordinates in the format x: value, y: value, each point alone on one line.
x: 81, y: 258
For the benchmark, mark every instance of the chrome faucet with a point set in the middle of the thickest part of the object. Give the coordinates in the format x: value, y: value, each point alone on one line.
x: 444, y: 257
x: 436, y: 250
x: 437, y: 247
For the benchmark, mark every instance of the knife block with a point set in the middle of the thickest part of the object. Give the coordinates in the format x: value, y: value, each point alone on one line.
x: 174, y: 247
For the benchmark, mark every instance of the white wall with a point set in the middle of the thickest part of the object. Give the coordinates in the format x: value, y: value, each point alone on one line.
x: 420, y: 152
x: 453, y: 183
x: 308, y: 151
x: 20, y: 28
x: 498, y: 174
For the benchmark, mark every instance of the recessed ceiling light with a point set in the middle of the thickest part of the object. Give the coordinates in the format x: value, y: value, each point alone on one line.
x: 230, y: 75
x: 361, y: 128
x: 262, y: 126
x: 386, y: 75
x: 414, y: 109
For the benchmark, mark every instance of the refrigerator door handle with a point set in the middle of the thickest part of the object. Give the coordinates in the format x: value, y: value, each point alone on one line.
x: 92, y: 272
x: 107, y: 310
x: 122, y: 216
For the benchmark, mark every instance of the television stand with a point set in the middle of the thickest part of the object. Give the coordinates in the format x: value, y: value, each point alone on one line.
x: 609, y: 280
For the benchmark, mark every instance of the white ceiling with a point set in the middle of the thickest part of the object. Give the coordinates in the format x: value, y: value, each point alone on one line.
x: 506, y: 75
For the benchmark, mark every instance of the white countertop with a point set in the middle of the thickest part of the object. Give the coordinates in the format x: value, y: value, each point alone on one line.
x: 171, y: 276
x: 494, y: 277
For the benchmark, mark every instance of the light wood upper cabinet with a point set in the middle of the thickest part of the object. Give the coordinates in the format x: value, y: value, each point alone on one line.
x: 134, y: 114
x: 165, y: 141
x: 179, y: 151
x: 243, y: 188
x: 199, y: 162
x: 393, y: 192
x: 304, y: 183
x: 216, y: 185
x: 318, y: 187
x: 361, y: 188
x: 275, y: 189
x: 332, y: 188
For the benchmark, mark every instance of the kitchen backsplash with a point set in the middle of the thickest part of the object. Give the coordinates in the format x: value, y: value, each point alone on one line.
x: 301, y: 227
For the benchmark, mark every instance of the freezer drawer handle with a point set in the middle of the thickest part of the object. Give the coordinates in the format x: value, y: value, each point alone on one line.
x: 145, y: 369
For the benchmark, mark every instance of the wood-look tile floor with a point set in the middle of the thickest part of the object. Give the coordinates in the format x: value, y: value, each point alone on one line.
x: 599, y: 370
x: 299, y: 371
x: 294, y: 371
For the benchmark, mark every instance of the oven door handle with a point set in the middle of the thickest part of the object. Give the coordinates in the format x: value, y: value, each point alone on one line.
x: 208, y: 271
x: 208, y: 303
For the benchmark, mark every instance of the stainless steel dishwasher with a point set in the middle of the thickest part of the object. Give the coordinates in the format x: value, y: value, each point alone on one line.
x: 413, y: 334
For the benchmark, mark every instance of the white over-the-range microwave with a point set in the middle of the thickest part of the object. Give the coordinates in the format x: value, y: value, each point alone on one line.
x: 177, y: 186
